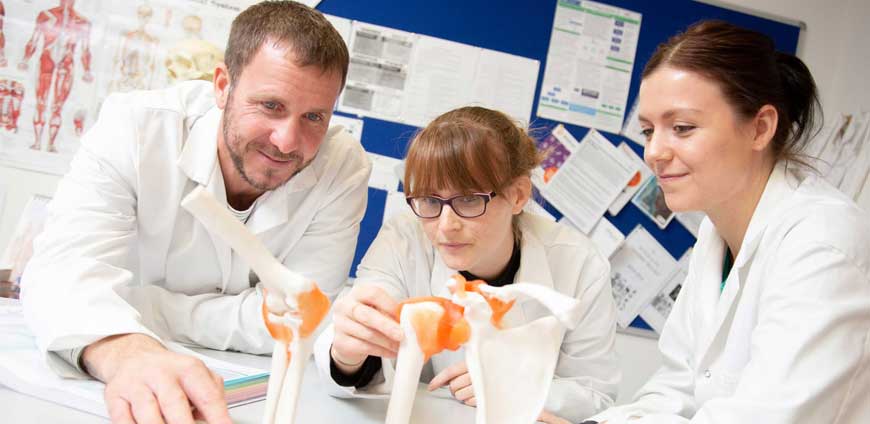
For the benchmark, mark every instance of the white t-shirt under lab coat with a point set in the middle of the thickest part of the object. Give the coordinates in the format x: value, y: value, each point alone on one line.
x: 120, y: 255
x: 404, y: 262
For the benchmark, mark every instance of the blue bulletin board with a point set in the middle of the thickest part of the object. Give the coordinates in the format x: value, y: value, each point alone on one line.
x: 522, y: 28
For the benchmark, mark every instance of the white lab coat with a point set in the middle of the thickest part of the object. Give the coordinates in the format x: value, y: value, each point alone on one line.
x: 404, y: 262
x: 120, y: 255
x: 788, y: 340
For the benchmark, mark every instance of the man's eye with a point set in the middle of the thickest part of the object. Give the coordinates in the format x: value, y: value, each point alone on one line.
x: 316, y: 117
x: 270, y: 105
x: 646, y: 133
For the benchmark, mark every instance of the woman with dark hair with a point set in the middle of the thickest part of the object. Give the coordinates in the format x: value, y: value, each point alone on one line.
x: 467, y: 181
x: 773, y: 321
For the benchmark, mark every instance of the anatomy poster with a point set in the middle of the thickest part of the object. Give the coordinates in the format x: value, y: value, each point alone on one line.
x: 59, y: 59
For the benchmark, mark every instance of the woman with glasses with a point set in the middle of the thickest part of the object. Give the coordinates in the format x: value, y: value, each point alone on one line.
x: 467, y: 181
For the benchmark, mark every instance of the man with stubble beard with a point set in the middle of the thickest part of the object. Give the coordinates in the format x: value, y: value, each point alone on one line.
x: 121, y: 267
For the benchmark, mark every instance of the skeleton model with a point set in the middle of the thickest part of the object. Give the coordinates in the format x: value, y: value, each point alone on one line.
x: 134, y: 63
x: 11, y: 93
x: 292, y: 308
x: 61, y: 29
x: 508, y: 388
x: 192, y: 58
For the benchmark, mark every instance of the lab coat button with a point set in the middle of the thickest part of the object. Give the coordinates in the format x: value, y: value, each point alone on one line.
x: 707, y: 374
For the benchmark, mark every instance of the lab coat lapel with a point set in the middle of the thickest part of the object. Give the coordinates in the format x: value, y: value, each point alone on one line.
x: 198, y: 160
x: 273, y: 208
x: 779, y: 187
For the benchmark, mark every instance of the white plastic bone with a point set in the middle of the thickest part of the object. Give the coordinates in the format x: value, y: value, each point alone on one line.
x: 512, y: 369
x: 282, y: 290
x: 409, y: 364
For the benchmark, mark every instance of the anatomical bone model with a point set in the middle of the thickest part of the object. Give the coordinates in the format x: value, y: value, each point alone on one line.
x: 62, y: 29
x: 511, y: 369
x: 292, y: 308
x: 192, y: 58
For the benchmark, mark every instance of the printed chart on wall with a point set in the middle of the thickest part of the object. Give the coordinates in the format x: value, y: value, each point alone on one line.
x: 589, y: 65
x: 60, y: 59
x: 409, y: 78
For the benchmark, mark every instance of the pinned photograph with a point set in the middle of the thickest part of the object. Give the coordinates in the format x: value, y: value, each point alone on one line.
x: 651, y: 201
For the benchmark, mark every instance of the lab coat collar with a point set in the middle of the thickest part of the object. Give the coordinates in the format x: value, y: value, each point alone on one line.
x: 199, y: 154
x: 780, y: 186
x: 534, y: 267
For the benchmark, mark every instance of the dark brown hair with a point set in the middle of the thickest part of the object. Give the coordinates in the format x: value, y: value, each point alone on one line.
x: 468, y: 149
x: 751, y: 74
x: 311, y: 38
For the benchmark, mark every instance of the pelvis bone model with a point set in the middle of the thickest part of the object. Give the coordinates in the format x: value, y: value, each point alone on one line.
x: 292, y: 308
x: 511, y: 369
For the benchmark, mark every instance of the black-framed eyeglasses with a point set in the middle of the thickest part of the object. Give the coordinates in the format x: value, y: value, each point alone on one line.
x: 465, y: 205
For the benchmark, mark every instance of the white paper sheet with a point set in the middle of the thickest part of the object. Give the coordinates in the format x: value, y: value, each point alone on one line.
x: 589, y: 65
x: 23, y: 369
x: 353, y: 126
x: 342, y: 25
x: 409, y: 78
x: 638, y: 271
x: 631, y: 127
x: 607, y: 237
x: 395, y: 204
x: 589, y: 180
x: 634, y: 184
x: 656, y: 313
x: 534, y: 207
x: 506, y: 83
x: 383, y: 175
x: 556, y: 147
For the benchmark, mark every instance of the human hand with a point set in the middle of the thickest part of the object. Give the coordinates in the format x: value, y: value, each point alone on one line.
x: 550, y: 418
x: 146, y: 383
x: 458, y: 380
x: 364, y: 325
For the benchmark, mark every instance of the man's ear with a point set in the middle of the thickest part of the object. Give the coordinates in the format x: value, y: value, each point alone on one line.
x: 222, y: 85
x: 764, y: 127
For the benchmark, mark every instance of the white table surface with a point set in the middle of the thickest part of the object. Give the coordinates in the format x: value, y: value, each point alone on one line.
x: 315, y: 405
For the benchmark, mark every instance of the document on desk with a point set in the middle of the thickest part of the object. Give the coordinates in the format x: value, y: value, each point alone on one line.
x: 589, y: 64
x: 589, y: 181
x: 638, y: 271
x: 23, y: 369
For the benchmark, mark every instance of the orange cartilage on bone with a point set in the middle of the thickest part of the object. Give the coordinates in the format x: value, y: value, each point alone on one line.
x: 430, y: 325
x: 438, y: 331
x: 499, y: 307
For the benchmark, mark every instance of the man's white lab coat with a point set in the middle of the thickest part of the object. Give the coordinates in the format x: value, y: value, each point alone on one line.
x: 788, y: 339
x: 120, y: 255
x: 403, y: 262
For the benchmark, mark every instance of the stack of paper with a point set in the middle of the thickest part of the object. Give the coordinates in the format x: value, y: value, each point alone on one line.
x: 23, y: 369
